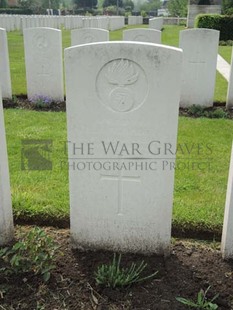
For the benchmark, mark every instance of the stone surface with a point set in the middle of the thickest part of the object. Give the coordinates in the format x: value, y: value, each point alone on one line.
x: 121, y: 198
x: 5, y: 79
x: 229, y: 103
x: 142, y: 35
x: 43, y: 59
x: 200, y: 50
x: 88, y: 35
x: 135, y: 20
x: 6, y: 216
x: 156, y: 23
x: 227, y: 234
x: 195, y: 9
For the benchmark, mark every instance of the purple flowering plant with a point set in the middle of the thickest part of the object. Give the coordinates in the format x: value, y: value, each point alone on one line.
x: 41, y: 101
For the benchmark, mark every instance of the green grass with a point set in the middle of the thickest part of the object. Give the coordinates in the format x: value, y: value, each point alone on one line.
x: 35, y: 193
x: 170, y: 36
x: 199, y: 195
x: 43, y: 195
x: 225, y: 52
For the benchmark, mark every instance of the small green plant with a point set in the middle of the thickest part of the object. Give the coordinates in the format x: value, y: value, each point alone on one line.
x: 41, y: 101
x: 112, y: 275
x: 199, y: 111
x: 196, y: 110
x: 34, y: 252
x: 218, y: 113
x: 202, y: 301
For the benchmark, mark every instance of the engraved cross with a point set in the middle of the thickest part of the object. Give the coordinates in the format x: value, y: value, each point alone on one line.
x: 120, y: 180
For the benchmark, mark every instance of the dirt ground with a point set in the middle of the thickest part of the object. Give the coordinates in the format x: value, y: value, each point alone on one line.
x: 193, y: 265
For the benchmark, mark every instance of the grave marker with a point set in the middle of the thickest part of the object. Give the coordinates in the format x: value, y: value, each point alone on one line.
x: 6, y: 216
x: 227, y: 233
x: 88, y: 35
x: 229, y: 103
x: 118, y: 106
x: 43, y: 59
x: 5, y: 79
x: 142, y: 35
x: 200, y: 48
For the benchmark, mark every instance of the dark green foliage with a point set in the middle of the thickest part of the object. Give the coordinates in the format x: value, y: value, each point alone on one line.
x: 226, y: 43
x: 178, y: 7
x: 227, y: 6
x: 33, y: 253
x: 17, y: 11
x: 107, y: 3
x: 223, y: 23
x: 85, y: 3
x: 128, y: 5
x: 112, y: 275
x: 204, y: 2
x: 3, y: 3
x: 199, y: 111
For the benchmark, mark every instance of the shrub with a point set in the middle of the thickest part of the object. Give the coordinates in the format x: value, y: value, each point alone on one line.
x: 19, y: 11
x: 223, y: 23
x: 33, y: 253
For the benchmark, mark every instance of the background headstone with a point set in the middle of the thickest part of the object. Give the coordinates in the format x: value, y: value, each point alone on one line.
x: 6, y: 216
x: 229, y: 103
x: 227, y: 234
x: 200, y: 50
x: 117, y: 91
x: 43, y: 58
x: 142, y: 35
x: 88, y: 35
x: 5, y: 79
x: 156, y: 23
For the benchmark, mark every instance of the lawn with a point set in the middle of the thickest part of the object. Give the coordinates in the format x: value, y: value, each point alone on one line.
x: 42, y: 196
x: 170, y: 36
x: 199, y: 192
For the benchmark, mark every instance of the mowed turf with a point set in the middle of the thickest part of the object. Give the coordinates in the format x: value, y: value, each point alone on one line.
x: 170, y: 36
x: 200, y: 178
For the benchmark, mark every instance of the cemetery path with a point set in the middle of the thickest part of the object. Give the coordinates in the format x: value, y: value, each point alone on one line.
x: 223, y: 67
x: 192, y: 266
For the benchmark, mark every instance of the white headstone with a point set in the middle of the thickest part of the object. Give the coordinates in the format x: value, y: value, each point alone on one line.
x: 117, y: 93
x: 200, y: 48
x: 43, y: 58
x: 227, y: 233
x: 88, y: 35
x: 5, y: 79
x: 135, y: 20
x: 142, y: 35
x: 229, y: 104
x: 156, y: 23
x: 6, y: 216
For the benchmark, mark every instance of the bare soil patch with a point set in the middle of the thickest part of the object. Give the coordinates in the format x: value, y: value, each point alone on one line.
x: 192, y: 265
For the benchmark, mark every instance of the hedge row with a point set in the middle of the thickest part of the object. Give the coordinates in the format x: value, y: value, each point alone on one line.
x: 223, y: 23
x: 20, y: 11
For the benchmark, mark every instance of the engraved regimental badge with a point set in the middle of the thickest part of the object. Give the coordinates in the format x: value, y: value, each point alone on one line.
x: 122, y: 85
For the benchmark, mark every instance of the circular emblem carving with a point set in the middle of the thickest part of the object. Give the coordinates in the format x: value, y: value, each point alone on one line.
x: 142, y: 38
x: 122, y: 85
x: 41, y: 42
x: 88, y: 38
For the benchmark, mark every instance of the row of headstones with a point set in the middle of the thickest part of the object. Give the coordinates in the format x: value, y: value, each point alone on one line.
x: 20, y: 22
x: 114, y: 88
x: 43, y: 56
